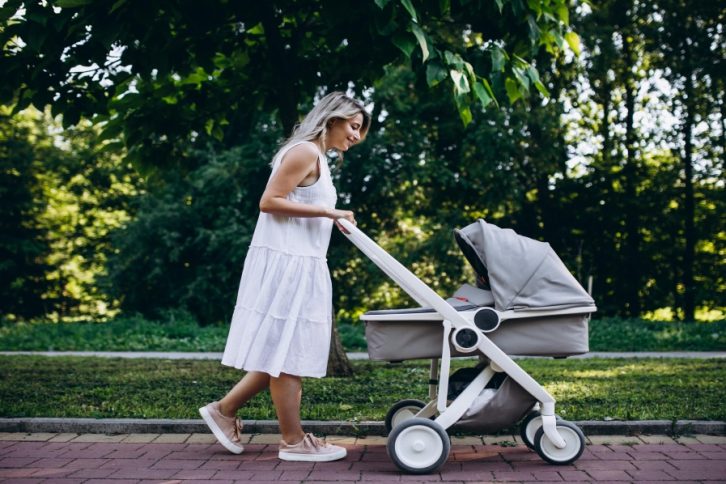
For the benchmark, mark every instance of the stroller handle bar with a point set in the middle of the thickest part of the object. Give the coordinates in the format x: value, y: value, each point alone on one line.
x: 425, y: 296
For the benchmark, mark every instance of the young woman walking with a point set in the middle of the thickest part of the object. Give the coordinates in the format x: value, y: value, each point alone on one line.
x: 281, y: 325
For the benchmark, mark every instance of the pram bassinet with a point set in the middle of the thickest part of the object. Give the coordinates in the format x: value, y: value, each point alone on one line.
x: 525, y: 303
x: 541, y: 308
x: 557, y: 336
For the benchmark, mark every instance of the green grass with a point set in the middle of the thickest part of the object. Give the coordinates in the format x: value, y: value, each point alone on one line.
x: 597, y: 389
x: 183, y: 334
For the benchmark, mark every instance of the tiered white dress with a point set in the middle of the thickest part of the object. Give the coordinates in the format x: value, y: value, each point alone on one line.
x: 283, y: 315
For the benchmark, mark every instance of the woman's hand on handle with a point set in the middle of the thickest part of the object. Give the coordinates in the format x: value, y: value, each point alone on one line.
x: 336, y: 214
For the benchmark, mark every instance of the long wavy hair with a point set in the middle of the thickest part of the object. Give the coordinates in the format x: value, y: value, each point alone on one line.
x: 315, y: 125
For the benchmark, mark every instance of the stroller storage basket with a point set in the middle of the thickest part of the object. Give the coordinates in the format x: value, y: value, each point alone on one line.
x: 507, y: 406
x: 542, y: 336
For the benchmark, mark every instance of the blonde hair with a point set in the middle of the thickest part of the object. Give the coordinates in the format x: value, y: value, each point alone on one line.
x: 315, y: 125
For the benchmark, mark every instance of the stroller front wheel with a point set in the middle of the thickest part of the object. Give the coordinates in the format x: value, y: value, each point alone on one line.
x: 529, y: 427
x: 574, y: 444
x: 402, y: 411
x: 418, y: 446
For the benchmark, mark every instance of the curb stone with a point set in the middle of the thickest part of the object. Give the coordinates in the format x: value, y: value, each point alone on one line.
x: 173, y: 426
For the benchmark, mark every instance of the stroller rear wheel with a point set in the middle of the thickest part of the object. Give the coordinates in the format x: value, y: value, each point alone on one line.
x: 418, y: 445
x: 574, y: 444
x: 402, y: 411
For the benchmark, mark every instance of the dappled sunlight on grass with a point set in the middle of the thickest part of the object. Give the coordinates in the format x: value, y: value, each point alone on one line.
x: 584, y: 389
x: 596, y: 374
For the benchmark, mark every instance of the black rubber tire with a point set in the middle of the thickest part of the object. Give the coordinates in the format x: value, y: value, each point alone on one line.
x: 523, y: 427
x: 574, y: 438
x: 403, y: 430
x: 397, y: 407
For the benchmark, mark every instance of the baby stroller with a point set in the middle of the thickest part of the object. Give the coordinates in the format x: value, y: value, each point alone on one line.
x: 525, y: 302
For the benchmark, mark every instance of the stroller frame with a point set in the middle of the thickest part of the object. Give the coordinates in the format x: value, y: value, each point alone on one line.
x: 454, y: 323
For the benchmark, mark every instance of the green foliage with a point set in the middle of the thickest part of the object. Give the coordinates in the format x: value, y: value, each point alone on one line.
x: 436, y: 31
x: 90, y: 195
x: 22, y: 245
x: 352, y: 336
x: 637, y: 212
x: 80, y: 194
x: 181, y: 70
x: 186, y: 246
x: 115, y: 388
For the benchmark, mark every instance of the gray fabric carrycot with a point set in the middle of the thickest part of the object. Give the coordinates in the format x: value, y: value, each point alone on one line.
x: 544, y: 309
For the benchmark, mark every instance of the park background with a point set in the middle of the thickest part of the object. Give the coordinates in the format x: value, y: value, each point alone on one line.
x: 135, y: 142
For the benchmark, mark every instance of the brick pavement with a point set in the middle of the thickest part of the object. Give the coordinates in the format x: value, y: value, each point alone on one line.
x: 190, y: 458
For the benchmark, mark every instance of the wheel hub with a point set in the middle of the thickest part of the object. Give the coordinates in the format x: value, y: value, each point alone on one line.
x: 419, y: 446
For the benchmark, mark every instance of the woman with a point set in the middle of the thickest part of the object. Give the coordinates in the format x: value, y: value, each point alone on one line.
x: 281, y: 325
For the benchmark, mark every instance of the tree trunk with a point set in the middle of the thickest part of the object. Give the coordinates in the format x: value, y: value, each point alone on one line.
x: 633, y: 277
x: 722, y: 105
x: 605, y: 130
x: 689, y: 296
x: 338, y: 364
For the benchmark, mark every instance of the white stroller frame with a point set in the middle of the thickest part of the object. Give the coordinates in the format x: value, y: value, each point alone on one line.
x: 407, y: 457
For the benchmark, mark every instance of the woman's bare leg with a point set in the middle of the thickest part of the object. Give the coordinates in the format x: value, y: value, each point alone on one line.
x: 249, y: 386
x: 286, y: 393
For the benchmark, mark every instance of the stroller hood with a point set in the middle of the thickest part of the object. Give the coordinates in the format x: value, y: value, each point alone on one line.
x: 523, y: 273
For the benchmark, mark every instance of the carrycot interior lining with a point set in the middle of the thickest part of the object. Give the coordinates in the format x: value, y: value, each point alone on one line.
x: 471, y: 255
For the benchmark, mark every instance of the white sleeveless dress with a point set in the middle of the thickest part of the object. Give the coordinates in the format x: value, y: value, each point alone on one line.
x: 283, y: 315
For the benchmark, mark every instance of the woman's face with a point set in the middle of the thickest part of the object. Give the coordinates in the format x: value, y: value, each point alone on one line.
x: 345, y: 133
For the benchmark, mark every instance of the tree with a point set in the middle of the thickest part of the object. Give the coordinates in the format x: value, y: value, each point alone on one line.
x: 616, y: 63
x: 186, y: 245
x: 183, y: 71
x: 74, y: 195
x: 23, y: 247
x: 690, y: 46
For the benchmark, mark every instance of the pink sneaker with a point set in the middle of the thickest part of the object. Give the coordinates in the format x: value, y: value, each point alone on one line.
x: 310, y: 449
x: 226, y: 429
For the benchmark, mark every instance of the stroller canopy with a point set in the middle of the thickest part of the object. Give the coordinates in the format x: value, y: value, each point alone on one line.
x: 523, y: 273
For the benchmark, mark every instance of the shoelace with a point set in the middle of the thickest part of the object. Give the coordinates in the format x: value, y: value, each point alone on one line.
x: 317, y: 443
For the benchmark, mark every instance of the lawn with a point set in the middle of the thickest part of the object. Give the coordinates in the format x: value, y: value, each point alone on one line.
x: 597, y: 389
x: 138, y: 334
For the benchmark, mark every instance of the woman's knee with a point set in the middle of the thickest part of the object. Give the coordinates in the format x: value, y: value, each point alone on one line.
x: 287, y: 377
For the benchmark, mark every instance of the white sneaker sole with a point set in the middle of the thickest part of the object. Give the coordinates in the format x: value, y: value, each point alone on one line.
x: 228, y: 444
x: 295, y: 457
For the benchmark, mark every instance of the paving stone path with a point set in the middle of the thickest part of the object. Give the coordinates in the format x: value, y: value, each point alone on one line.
x: 189, y: 458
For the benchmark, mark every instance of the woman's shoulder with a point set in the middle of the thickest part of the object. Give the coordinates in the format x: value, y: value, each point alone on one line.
x: 304, y: 151
x: 304, y: 148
